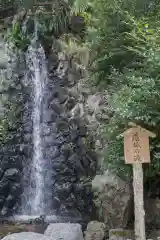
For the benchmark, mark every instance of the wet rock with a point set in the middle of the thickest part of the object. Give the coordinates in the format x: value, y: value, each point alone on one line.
x: 52, y: 61
x: 95, y: 231
x: 70, y: 103
x: 49, y: 140
x: 56, y: 107
x: 28, y: 126
x: 6, y: 229
x: 72, y: 160
x: 114, y: 196
x: 64, y: 190
x: 154, y: 234
x: 62, y: 95
x: 62, y: 126
x: 78, y: 110
x: 4, y: 58
x: 52, y: 152
x: 74, y: 135
x: 4, y: 187
x: 66, y: 172
x: 15, y: 188
x: 59, y: 141
x: 71, y: 78
x: 62, y: 144
x: 27, y: 138
x: 152, y: 212
x: 49, y: 116
x: 121, y: 234
x: 4, y: 211
x: 66, y: 150
x: 10, y: 190
x: 94, y: 102
x: 64, y: 231
x: 82, y: 129
x: 59, y: 159
x: 80, y: 170
x: 12, y: 174
x: 27, y: 236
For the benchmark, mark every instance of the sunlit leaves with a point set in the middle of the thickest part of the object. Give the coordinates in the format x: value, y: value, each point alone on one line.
x: 80, y: 6
x: 126, y: 63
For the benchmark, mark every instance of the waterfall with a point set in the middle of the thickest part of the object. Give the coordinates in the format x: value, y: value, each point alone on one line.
x: 36, y: 195
x: 36, y: 64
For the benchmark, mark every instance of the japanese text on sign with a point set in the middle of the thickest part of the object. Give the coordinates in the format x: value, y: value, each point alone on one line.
x: 136, y: 147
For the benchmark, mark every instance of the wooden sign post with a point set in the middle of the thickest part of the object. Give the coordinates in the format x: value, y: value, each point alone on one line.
x: 136, y: 151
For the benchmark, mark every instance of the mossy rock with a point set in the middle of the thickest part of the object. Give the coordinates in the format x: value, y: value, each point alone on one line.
x: 6, y: 229
x: 115, y: 234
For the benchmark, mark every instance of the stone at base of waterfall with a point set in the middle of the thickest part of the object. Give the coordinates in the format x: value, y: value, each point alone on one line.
x: 64, y: 231
x: 95, y: 231
x: 27, y: 236
x: 113, y: 199
x: 121, y: 234
x: 154, y: 234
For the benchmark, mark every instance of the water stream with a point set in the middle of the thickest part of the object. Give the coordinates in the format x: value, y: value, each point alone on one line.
x: 35, y: 200
x: 36, y: 58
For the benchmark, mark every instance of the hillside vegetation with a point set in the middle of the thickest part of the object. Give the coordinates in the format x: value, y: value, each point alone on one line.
x: 119, y: 44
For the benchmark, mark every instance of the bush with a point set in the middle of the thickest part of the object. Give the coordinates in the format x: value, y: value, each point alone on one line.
x: 127, y: 63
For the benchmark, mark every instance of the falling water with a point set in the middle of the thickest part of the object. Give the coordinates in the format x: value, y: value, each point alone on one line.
x: 35, y: 197
x: 38, y: 78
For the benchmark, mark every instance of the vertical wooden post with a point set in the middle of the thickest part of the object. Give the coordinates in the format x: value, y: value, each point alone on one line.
x: 138, y: 202
x: 136, y: 151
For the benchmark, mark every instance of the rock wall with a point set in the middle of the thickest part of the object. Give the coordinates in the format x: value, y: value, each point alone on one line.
x: 113, y: 199
x: 66, y: 137
x: 11, y: 156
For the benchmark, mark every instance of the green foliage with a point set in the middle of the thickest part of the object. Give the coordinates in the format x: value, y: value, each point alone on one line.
x: 53, y: 21
x: 11, y: 119
x: 80, y: 6
x: 19, y: 38
x: 122, y: 49
x: 3, y: 129
x: 124, y: 37
x: 75, y: 49
x: 4, y: 3
x: 57, y: 20
x: 115, y: 159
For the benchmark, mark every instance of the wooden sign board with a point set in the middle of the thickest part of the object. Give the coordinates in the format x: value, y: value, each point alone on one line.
x: 136, y: 151
x: 136, y: 146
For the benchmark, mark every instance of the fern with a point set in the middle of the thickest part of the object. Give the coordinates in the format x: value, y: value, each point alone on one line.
x: 80, y: 6
x: 74, y: 48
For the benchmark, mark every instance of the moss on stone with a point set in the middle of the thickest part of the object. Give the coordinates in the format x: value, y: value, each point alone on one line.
x: 10, y: 228
x: 6, y: 229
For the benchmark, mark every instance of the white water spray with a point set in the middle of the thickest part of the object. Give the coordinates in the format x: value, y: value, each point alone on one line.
x: 37, y: 65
